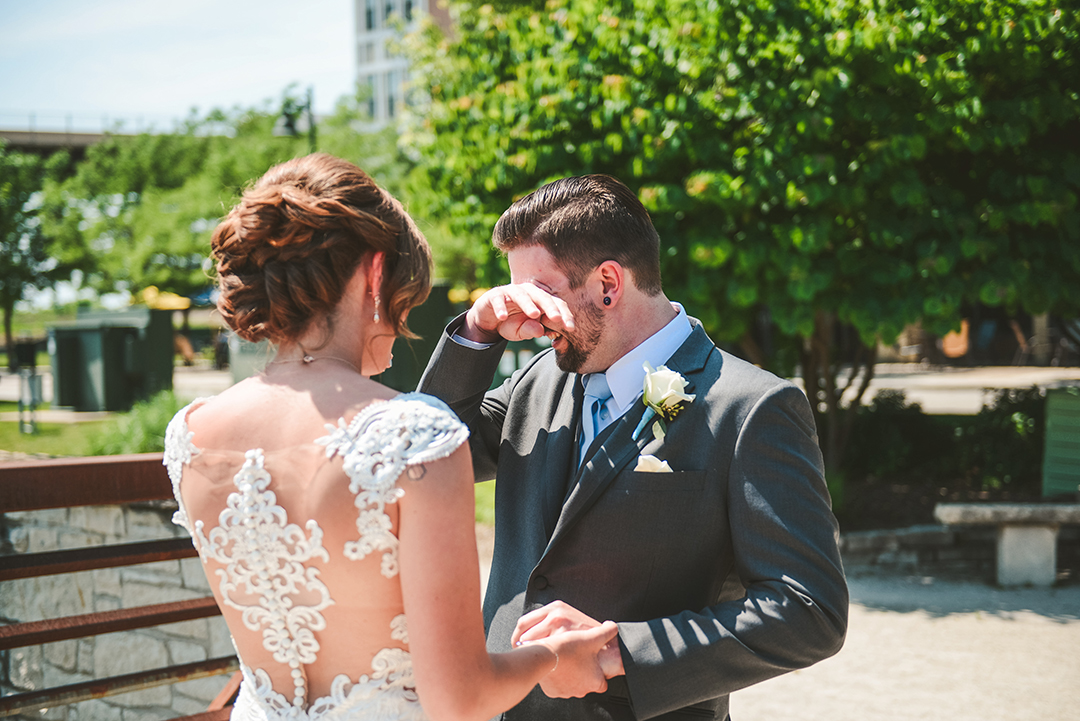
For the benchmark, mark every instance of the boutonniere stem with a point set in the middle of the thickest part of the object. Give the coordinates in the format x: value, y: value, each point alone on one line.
x: 664, y: 397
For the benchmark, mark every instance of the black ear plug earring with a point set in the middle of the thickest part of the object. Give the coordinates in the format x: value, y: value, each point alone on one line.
x: 607, y: 300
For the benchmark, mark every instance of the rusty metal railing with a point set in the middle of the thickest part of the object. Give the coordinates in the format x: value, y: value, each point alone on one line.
x: 106, y: 480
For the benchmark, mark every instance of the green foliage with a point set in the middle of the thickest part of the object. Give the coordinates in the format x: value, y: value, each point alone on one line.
x: 848, y: 166
x: 140, y: 430
x: 140, y: 210
x: 1003, y: 447
x: 26, y: 253
x: 884, y: 161
x: 485, y: 503
x: 1000, y: 447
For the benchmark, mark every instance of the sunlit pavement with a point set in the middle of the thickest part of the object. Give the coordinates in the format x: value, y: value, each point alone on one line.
x: 932, y: 648
x: 938, y: 389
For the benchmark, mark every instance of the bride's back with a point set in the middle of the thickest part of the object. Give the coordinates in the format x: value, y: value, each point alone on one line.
x: 264, y: 434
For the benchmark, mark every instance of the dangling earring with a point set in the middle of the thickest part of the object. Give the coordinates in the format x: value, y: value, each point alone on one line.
x: 376, y: 309
x: 607, y: 300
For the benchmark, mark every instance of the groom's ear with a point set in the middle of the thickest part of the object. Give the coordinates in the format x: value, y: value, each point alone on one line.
x: 612, y: 277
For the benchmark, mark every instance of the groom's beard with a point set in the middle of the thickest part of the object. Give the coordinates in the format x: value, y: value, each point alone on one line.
x: 588, y: 327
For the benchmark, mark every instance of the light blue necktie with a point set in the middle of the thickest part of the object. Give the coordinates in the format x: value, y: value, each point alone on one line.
x: 596, y: 416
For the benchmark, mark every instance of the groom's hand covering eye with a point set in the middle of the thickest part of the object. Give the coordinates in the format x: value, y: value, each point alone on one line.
x: 520, y: 311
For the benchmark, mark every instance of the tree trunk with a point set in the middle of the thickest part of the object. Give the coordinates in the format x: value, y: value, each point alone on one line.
x: 820, y: 372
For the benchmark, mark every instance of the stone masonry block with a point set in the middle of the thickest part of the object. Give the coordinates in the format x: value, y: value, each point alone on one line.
x: 119, y: 653
x: 163, y: 573
x: 24, y: 668
x: 97, y: 710
x: 62, y: 654
x: 188, y: 706
x: 145, y: 523
x: 221, y: 643
x: 145, y: 714
x: 42, y: 539
x: 202, y: 689
x: 86, y: 655
x: 107, y: 582
x: 19, y: 538
x: 193, y: 575
x: 156, y: 696
x: 186, y: 652
x: 78, y: 539
x: 143, y: 594
x: 106, y: 520
x: 1027, y: 555
x: 197, y: 629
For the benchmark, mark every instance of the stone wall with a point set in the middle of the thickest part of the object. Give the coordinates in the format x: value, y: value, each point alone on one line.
x: 65, y: 662
x: 957, y: 551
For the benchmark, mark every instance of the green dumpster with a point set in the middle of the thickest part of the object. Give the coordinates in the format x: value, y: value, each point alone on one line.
x: 105, y: 361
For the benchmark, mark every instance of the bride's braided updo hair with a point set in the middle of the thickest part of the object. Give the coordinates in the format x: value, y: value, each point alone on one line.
x: 287, y: 250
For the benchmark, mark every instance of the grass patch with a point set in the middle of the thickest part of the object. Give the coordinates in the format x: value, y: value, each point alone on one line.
x: 485, y: 503
x: 13, y: 406
x: 54, y: 439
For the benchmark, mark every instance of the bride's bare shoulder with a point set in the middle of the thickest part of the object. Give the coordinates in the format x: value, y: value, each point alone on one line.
x: 270, y: 415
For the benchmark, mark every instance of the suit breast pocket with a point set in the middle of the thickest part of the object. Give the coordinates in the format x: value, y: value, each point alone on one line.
x: 674, y: 482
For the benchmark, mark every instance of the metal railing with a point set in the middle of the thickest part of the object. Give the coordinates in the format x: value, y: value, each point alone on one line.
x: 107, y: 480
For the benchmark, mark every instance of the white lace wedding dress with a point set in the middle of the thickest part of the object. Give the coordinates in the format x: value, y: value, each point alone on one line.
x: 268, y: 569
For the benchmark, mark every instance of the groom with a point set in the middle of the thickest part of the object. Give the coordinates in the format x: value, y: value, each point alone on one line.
x: 709, y: 539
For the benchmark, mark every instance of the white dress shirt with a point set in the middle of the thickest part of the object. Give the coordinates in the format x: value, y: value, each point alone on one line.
x: 626, y: 376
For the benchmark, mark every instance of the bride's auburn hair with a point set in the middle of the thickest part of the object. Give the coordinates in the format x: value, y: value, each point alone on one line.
x: 287, y: 250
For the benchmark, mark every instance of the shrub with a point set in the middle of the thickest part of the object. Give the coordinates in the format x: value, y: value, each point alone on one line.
x: 999, y: 447
x: 140, y: 430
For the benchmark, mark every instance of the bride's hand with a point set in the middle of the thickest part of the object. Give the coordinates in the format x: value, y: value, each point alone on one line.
x: 579, y: 670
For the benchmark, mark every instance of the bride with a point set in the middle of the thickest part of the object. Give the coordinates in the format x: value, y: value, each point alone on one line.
x: 334, y: 517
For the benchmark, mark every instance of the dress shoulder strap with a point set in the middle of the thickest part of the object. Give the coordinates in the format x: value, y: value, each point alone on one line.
x: 179, y: 450
x: 376, y: 447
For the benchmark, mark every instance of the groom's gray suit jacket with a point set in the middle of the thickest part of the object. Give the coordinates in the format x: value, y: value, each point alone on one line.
x: 721, y: 574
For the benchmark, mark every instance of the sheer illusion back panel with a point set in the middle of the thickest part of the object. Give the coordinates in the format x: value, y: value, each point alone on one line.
x: 351, y: 605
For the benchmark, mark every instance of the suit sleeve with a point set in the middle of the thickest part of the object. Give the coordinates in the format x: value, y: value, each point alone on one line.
x: 460, y: 377
x: 784, y: 541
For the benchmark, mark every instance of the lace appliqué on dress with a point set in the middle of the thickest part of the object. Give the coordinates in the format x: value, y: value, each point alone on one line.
x: 179, y: 450
x: 379, y: 443
x: 264, y: 557
x: 388, y: 693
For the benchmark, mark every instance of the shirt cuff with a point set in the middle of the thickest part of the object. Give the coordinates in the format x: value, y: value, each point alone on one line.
x: 461, y: 340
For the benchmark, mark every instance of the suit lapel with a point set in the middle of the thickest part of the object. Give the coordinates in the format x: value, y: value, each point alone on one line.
x: 561, y: 458
x: 618, y: 448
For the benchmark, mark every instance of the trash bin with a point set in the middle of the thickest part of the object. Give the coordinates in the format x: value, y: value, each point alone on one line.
x: 1061, y: 454
x: 105, y: 361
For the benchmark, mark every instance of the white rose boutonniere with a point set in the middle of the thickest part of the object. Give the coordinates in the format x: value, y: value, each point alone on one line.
x: 663, y: 398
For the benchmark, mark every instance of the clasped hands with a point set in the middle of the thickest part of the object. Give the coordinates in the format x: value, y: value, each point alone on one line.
x: 584, y: 664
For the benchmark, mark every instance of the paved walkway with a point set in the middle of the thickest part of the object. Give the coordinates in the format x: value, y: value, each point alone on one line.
x: 936, y: 649
x: 937, y: 389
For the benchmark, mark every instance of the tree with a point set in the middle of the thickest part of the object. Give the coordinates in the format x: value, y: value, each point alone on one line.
x: 26, y: 257
x: 839, y: 168
x: 142, y: 208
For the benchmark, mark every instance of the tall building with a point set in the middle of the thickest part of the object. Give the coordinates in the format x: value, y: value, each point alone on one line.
x: 377, y: 23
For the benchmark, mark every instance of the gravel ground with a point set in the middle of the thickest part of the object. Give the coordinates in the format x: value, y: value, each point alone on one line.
x: 926, y: 648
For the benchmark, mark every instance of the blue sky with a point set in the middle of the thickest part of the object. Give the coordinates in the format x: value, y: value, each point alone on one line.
x: 148, y: 62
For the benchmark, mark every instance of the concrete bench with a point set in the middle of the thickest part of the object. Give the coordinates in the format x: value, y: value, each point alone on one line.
x: 1026, y: 535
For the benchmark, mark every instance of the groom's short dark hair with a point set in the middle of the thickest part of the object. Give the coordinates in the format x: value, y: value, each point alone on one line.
x: 584, y: 221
